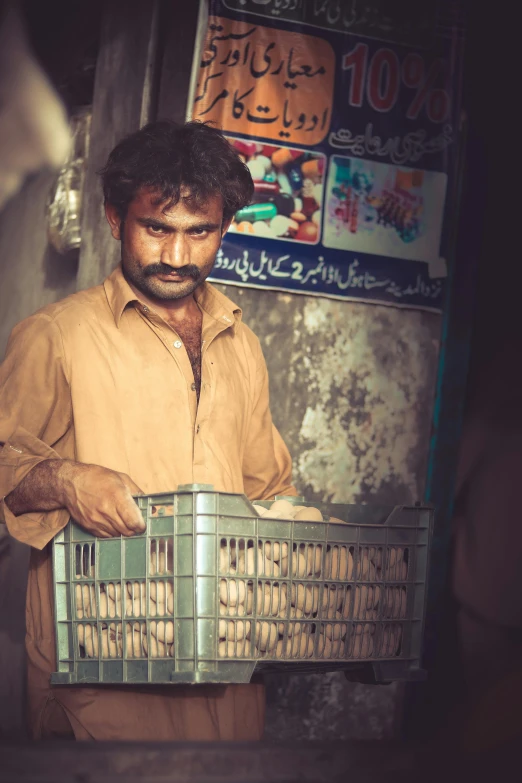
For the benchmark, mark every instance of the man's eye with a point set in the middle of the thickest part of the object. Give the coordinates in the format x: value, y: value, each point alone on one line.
x: 198, y: 232
x: 156, y: 229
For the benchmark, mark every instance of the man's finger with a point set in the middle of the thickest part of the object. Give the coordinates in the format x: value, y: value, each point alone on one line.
x: 130, y: 515
x: 112, y: 525
x: 96, y: 527
x: 117, y: 524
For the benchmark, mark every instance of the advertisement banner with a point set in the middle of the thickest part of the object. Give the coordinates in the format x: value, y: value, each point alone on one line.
x: 347, y: 114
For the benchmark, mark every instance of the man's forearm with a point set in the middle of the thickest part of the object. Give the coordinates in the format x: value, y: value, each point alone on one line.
x: 98, y: 499
x: 41, y: 489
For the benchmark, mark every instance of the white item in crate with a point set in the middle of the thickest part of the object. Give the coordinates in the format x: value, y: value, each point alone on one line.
x: 237, y: 559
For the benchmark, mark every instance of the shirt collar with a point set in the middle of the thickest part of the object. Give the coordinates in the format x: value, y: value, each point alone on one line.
x: 119, y: 295
x: 218, y: 306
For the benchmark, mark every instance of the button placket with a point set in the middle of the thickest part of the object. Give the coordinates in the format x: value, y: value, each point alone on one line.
x: 182, y: 362
x: 205, y: 404
x: 204, y: 407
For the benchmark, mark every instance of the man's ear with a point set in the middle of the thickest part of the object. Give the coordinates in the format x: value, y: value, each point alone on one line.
x: 114, y: 220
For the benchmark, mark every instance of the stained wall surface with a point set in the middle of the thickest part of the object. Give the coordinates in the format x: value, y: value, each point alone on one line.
x: 32, y: 275
x: 352, y: 388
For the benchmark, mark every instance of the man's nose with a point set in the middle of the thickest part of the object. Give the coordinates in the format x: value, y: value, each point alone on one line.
x: 175, y: 251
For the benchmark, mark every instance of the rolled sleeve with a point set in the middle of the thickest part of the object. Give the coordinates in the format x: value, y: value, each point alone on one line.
x: 267, y: 465
x: 35, y: 415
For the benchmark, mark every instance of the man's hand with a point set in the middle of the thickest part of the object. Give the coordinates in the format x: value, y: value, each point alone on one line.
x: 100, y: 500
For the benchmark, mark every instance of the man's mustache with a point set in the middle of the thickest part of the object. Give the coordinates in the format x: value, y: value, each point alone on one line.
x: 191, y: 270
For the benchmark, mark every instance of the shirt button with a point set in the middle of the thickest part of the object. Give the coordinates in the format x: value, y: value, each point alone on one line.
x: 197, y: 429
x: 193, y: 387
x: 177, y: 344
x: 145, y: 309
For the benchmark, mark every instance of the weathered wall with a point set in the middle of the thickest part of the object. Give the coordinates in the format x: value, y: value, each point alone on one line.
x: 352, y: 388
x: 32, y: 274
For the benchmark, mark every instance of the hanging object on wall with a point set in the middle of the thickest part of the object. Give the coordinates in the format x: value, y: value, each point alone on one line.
x: 64, y: 202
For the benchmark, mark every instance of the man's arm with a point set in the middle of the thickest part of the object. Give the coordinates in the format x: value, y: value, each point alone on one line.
x: 100, y: 500
x: 39, y: 489
x: 267, y: 465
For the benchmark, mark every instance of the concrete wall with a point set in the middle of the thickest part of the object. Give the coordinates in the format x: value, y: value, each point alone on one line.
x: 32, y: 274
x: 352, y: 392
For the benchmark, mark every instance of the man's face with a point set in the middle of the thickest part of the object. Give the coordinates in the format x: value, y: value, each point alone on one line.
x: 167, y: 254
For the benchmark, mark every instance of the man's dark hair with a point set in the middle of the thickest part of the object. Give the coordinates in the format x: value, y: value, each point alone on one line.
x: 165, y: 157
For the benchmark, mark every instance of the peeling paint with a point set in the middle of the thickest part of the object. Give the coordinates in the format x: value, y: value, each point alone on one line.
x: 363, y: 424
x: 351, y: 389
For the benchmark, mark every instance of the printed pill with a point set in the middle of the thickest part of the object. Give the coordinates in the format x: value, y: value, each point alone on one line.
x: 307, y: 232
x: 318, y: 193
x: 261, y: 229
x: 264, y: 161
x: 295, y: 178
x: 284, y: 183
x: 245, y: 147
x: 310, y: 206
x: 256, y: 169
x: 245, y: 227
x: 262, y: 186
x: 268, y: 150
x: 282, y: 157
x: 313, y: 168
x: 256, y: 212
x: 284, y: 203
x: 282, y: 225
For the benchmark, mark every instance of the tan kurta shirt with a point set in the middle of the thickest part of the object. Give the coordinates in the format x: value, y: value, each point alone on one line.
x: 100, y: 378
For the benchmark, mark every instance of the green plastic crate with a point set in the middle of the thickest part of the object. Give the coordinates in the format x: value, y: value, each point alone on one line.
x: 186, y: 531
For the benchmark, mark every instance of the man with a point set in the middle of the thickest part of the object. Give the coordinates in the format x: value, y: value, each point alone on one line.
x: 146, y: 382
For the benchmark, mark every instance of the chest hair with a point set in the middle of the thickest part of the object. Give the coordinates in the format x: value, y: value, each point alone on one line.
x: 190, y: 334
